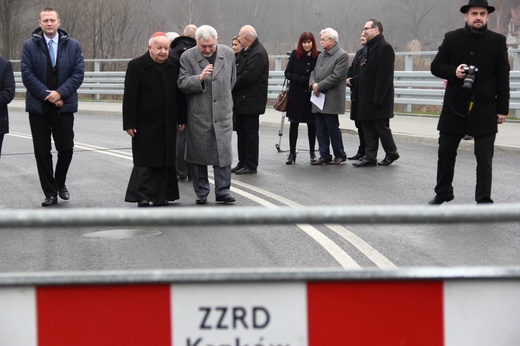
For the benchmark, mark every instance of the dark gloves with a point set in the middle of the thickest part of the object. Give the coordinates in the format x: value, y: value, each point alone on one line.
x: 303, y: 80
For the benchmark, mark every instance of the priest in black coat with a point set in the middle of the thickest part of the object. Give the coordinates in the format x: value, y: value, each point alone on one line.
x: 152, y: 105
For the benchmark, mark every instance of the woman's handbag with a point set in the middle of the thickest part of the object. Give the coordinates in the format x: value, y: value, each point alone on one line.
x: 282, y: 99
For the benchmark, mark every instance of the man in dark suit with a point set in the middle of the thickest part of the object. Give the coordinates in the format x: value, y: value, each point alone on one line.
x: 352, y: 75
x: 7, y: 88
x: 475, y: 63
x: 177, y: 47
x: 376, y: 96
x: 153, y: 109
x: 52, y: 71
x: 250, y: 98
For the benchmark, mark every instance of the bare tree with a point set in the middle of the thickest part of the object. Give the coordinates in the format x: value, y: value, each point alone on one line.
x: 191, y: 11
x: 414, y: 14
x: 14, y: 25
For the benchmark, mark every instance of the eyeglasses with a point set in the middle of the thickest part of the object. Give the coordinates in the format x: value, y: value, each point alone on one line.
x: 325, y: 39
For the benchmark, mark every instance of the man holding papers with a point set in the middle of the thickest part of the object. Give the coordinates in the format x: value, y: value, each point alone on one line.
x: 327, y: 82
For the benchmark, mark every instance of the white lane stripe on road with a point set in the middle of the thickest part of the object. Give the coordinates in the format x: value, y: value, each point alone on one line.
x: 370, y: 252
x: 94, y: 148
x: 332, y: 248
x: 345, y: 260
x: 375, y: 256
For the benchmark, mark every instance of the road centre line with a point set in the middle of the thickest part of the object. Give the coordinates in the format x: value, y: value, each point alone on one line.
x: 332, y: 248
x: 345, y: 260
x: 94, y: 148
x: 370, y: 252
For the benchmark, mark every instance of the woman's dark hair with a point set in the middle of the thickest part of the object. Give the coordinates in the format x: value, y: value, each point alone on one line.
x: 306, y: 36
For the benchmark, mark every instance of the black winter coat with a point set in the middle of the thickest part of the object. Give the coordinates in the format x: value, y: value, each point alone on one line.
x: 298, y: 72
x: 7, y: 89
x: 250, y: 90
x: 352, y: 73
x: 181, y: 44
x: 152, y: 104
x: 376, y: 81
x: 487, y: 51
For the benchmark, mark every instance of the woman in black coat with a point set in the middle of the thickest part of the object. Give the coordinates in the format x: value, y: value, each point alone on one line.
x: 299, y: 68
x: 7, y: 87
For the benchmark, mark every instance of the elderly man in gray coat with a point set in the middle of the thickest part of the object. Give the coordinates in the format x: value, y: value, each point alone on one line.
x: 329, y: 78
x: 207, y: 76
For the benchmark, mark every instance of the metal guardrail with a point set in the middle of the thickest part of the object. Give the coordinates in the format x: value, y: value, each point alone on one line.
x: 261, y: 216
x: 255, y: 275
x: 411, y: 87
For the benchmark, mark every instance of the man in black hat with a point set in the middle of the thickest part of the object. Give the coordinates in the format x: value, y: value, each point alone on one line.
x: 475, y: 63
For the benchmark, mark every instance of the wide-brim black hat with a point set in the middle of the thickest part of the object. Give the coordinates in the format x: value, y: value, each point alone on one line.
x: 477, y: 3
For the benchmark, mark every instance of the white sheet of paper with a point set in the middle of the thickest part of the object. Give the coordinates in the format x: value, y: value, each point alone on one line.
x: 319, y: 101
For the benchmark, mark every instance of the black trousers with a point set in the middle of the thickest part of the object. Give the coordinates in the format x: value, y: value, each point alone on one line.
x: 247, y: 126
x: 183, y: 167
x: 1, y: 141
x: 483, y: 151
x: 375, y: 130
x: 60, y: 126
x: 362, y: 144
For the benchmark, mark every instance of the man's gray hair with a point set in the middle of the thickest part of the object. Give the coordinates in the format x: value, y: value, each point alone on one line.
x: 331, y: 33
x: 205, y: 32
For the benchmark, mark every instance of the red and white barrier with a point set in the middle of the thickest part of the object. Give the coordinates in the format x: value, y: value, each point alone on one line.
x: 430, y: 312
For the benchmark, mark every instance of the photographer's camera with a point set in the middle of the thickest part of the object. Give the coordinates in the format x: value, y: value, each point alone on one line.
x: 469, y: 79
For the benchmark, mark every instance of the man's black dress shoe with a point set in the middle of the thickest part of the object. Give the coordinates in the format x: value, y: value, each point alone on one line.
x: 439, y: 200
x: 245, y: 170
x: 64, y: 193
x: 236, y: 168
x: 358, y: 156
x: 364, y: 163
x: 201, y: 200
x: 321, y: 161
x: 50, y: 201
x: 388, y: 160
x: 226, y: 199
x: 143, y: 203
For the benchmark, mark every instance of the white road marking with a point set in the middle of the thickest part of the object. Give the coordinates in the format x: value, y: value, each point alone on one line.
x: 344, y: 259
x: 370, y: 252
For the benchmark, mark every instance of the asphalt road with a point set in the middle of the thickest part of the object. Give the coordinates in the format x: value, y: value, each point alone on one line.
x: 101, y: 167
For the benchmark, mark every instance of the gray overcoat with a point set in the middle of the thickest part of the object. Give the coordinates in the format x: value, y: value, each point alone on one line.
x: 209, y: 126
x: 330, y: 73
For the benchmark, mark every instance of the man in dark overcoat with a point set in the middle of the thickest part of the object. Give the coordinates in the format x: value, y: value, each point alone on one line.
x: 474, y: 108
x: 352, y: 83
x: 250, y: 98
x: 152, y: 104
x: 376, y: 96
x: 178, y: 46
x: 7, y: 88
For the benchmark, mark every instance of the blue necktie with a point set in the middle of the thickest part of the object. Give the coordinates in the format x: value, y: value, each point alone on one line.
x: 51, y: 53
